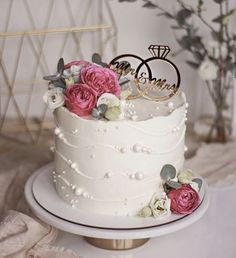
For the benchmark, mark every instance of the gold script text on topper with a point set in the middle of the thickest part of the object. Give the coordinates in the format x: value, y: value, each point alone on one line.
x: 147, y: 86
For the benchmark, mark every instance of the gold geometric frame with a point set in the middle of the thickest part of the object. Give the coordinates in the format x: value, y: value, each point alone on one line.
x: 35, y: 38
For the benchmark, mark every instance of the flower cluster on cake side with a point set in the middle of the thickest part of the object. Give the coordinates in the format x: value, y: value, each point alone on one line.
x: 86, y: 89
x: 180, y: 194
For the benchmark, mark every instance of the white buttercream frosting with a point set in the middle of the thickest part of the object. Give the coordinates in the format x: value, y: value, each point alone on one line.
x: 113, y: 167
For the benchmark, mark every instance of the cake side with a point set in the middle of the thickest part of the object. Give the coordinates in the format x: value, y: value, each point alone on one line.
x: 114, y: 167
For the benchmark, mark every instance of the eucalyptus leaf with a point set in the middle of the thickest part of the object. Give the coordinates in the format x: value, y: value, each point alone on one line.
x: 168, y: 172
x: 182, y: 15
x: 173, y: 184
x: 185, y: 42
x: 167, y: 15
x: 59, y: 83
x: 224, y: 18
x: 100, y: 111
x: 150, y: 5
x: 198, y: 181
x: 193, y: 64
x: 51, y: 77
x: 97, y: 59
x: 60, y: 66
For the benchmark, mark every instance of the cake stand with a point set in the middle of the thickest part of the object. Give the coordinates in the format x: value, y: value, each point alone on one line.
x: 107, y: 232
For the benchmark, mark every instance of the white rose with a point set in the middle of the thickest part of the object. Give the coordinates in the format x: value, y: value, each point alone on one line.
x: 185, y: 176
x: 208, y: 70
x: 109, y: 99
x: 195, y: 186
x: 216, y: 50
x: 160, y: 205
x: 54, y: 98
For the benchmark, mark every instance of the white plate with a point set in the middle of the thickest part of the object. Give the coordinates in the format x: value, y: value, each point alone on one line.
x: 45, y: 195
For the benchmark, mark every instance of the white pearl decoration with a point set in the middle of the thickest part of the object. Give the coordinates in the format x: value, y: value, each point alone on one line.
x: 186, y: 105
x: 54, y: 180
x: 61, y: 135
x: 52, y: 149
x: 123, y: 150
x: 69, y: 162
x: 139, y: 175
x: 157, y: 108
x: 185, y: 148
x: 73, y: 187
x: 132, y: 176
x: 144, y: 149
x: 171, y: 105
x: 134, y: 117
x: 186, y: 119
x: 73, y: 165
x: 64, y: 172
x: 85, y: 195
x: 63, y: 188
x: 67, y: 195
x: 74, y: 131
x: 137, y: 147
x: 57, y: 131
x: 78, y: 191
x: 108, y: 175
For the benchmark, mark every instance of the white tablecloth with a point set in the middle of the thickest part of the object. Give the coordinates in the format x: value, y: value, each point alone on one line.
x: 213, y: 236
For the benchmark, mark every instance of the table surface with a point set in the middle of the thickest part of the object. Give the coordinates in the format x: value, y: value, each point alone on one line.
x: 213, y: 235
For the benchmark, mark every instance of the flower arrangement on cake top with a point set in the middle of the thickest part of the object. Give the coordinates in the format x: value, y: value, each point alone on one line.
x: 180, y: 194
x: 85, y: 89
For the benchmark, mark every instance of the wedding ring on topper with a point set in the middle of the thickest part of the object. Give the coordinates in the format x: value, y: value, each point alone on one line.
x: 146, y: 76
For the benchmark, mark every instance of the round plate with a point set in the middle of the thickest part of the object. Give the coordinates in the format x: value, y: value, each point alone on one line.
x: 45, y: 195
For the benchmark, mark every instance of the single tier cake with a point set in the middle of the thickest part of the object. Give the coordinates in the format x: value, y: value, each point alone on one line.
x: 119, y: 142
x: 113, y: 167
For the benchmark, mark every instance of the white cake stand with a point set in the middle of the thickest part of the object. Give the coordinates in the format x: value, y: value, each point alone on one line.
x: 118, y: 237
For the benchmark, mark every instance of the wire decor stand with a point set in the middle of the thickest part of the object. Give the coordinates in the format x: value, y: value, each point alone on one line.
x: 21, y: 121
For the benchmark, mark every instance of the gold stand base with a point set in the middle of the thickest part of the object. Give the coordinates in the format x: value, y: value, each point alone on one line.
x: 116, y: 244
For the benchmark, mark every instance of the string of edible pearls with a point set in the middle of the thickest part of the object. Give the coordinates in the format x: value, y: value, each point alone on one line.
x: 137, y: 176
x: 139, y: 148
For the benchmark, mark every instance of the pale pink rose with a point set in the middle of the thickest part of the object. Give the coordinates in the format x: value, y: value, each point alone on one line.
x: 80, y: 99
x: 101, y: 79
x: 183, y: 200
x: 80, y: 62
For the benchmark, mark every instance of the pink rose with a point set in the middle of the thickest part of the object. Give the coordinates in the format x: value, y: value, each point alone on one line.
x: 80, y: 62
x: 101, y: 79
x: 183, y: 200
x: 80, y: 99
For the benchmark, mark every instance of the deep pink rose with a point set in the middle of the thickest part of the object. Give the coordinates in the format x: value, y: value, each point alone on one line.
x: 80, y: 99
x: 101, y: 79
x: 80, y: 62
x: 183, y: 200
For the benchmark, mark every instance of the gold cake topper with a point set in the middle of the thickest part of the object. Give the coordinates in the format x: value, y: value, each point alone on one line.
x: 147, y: 86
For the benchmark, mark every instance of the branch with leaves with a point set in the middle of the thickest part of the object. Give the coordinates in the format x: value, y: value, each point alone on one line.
x: 214, y: 59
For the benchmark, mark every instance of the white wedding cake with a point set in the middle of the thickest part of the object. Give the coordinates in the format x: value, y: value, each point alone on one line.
x: 110, y: 148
